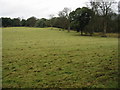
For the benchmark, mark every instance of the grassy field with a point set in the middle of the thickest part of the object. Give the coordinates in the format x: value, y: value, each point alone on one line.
x: 41, y: 58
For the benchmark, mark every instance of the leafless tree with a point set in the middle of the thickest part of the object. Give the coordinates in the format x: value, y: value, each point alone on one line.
x: 103, y: 8
x: 51, y: 22
x: 64, y: 14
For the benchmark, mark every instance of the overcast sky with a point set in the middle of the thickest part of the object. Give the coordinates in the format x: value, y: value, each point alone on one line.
x: 37, y: 8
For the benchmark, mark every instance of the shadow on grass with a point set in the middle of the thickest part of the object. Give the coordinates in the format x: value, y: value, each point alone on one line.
x: 94, y: 35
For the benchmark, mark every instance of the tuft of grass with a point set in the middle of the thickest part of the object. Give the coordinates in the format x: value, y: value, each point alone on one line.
x: 45, y: 58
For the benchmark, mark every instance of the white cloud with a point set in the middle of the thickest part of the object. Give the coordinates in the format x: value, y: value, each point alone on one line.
x: 37, y: 8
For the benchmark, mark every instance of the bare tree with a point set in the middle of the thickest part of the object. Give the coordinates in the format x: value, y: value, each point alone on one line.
x: 51, y: 22
x: 102, y: 8
x: 64, y: 15
x: 67, y: 11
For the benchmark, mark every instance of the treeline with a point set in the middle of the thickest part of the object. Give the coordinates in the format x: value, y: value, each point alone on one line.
x: 99, y: 17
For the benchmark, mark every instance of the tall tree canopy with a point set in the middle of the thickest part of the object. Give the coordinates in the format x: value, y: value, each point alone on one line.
x: 31, y: 21
x: 80, y: 18
x: 6, y: 22
x: 41, y: 23
x: 64, y: 18
x: 16, y: 22
x: 103, y: 8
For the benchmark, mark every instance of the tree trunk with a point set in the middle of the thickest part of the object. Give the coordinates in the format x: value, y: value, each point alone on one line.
x: 81, y: 32
x: 51, y: 27
x: 78, y: 30
x: 69, y: 29
x: 105, y: 29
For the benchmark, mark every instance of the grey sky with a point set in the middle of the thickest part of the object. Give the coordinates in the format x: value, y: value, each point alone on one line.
x: 37, y: 8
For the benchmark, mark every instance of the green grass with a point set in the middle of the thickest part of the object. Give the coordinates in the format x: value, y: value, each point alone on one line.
x: 115, y: 35
x: 42, y: 58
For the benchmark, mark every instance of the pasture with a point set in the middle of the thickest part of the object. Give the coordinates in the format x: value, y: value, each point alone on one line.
x: 45, y: 58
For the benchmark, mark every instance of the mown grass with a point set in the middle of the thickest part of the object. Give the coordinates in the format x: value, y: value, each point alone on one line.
x: 42, y: 58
